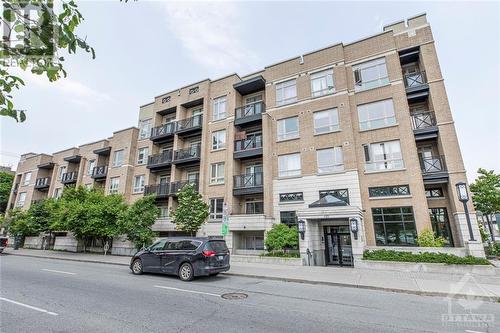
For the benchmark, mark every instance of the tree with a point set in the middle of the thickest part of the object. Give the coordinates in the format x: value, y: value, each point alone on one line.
x: 19, y: 223
x: 281, y: 238
x: 137, y: 219
x: 33, y: 33
x: 191, y: 212
x: 486, y: 195
x: 6, y: 180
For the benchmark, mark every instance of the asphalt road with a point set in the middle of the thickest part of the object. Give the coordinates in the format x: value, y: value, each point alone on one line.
x: 46, y: 295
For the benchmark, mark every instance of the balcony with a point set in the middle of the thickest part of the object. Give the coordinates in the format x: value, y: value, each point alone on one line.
x: 99, y: 173
x: 416, y: 82
x: 160, y: 161
x: 189, y: 126
x: 42, y: 184
x: 434, y: 170
x: 178, y: 185
x: 69, y: 177
x: 252, y: 183
x: 160, y: 191
x: 249, y: 114
x: 189, y: 155
x: 249, y: 147
x: 424, y: 125
x: 163, y: 133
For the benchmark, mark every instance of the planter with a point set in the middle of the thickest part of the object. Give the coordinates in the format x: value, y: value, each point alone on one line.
x: 267, y: 260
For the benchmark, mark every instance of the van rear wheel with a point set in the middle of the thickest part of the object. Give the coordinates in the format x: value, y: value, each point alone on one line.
x: 137, y: 267
x: 186, y: 272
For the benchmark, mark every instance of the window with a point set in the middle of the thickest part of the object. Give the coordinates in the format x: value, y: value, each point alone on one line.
x: 90, y: 167
x: 289, y: 218
x: 219, y: 139
x: 376, y: 115
x: 322, y: 83
x: 339, y: 194
x: 163, y: 212
x: 114, y: 183
x: 330, y: 160
x: 118, y: 158
x: 441, y: 224
x: 138, y: 184
x: 216, y: 208
x: 219, y: 108
x: 253, y: 243
x: 326, y: 121
x: 289, y: 165
x: 394, y: 226
x: 62, y: 170
x: 288, y: 128
x: 389, y: 191
x: 58, y: 193
x: 290, y: 197
x: 434, y: 193
x: 286, y: 92
x: 21, y: 199
x: 370, y: 75
x: 217, y: 173
x: 158, y: 246
x: 144, y: 128
x: 88, y: 186
x: 142, y: 155
x: 254, y: 206
x: 27, y: 178
x: 383, y: 156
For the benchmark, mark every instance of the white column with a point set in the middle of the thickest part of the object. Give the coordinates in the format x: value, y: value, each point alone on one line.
x: 474, y: 248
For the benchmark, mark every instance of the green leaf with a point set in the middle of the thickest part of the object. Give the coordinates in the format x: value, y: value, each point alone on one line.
x: 9, y: 15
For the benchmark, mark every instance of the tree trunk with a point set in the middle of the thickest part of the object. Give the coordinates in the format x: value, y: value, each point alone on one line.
x: 490, y: 227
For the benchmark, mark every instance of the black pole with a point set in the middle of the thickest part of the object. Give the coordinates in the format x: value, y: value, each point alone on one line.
x: 471, y: 235
x: 490, y: 227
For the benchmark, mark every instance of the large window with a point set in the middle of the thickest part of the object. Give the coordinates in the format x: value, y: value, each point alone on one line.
x: 289, y: 218
x: 216, y: 208
x: 217, y: 173
x: 370, y: 74
x: 118, y: 157
x: 114, y: 184
x: 254, y: 206
x: 163, y: 212
x: 342, y: 194
x: 286, y: 92
x: 90, y: 167
x: 394, y: 226
x: 138, y: 184
x: 21, y: 200
x: 326, y: 121
x: 330, y: 160
x: 219, y: 139
x: 144, y: 128
x: 219, y: 108
x: 253, y: 242
x: 376, y: 115
x: 142, y: 155
x: 27, y: 178
x: 288, y: 128
x: 383, y: 156
x: 62, y: 170
x: 289, y: 165
x: 322, y: 83
x: 441, y: 224
x: 389, y: 191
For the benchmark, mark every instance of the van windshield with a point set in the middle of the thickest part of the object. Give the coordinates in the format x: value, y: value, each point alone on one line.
x: 217, y: 246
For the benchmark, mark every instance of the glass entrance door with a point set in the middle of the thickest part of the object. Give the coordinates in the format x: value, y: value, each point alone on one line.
x: 338, y: 249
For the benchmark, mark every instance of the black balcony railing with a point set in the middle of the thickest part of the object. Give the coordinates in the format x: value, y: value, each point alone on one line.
x: 252, y: 141
x: 414, y: 80
x: 434, y: 164
x: 249, y: 180
x: 69, y: 177
x: 164, y: 158
x: 191, y: 153
x: 41, y: 183
x: 100, y: 171
x: 163, y: 131
x: 421, y: 120
x: 190, y: 123
x: 178, y: 185
x: 250, y: 110
x: 159, y: 190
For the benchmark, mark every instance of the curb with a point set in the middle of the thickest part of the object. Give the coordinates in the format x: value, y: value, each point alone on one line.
x: 284, y: 279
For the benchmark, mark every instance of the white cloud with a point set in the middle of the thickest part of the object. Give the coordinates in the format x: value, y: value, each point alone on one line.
x: 210, y: 32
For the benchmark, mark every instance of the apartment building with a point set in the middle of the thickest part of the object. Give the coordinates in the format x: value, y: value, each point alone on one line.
x: 355, y: 143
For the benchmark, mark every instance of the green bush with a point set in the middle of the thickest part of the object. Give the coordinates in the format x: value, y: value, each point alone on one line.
x: 427, y: 238
x: 444, y: 258
x: 484, y: 234
x: 282, y: 238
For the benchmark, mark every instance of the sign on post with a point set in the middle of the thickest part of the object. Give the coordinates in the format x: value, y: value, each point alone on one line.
x: 225, y: 220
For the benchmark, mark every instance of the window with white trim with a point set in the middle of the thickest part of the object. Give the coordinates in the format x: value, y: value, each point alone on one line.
x: 289, y: 165
x: 58, y: 193
x: 27, y: 178
x: 254, y: 206
x: 286, y: 92
x: 114, y: 184
x: 383, y: 156
x: 216, y: 208
x: 21, y: 200
x: 118, y: 157
x: 90, y: 167
x: 62, y: 170
x: 142, y: 155
x: 371, y: 74
x: 322, y: 83
x: 219, y: 139
x: 138, y: 184
x: 288, y: 128
x: 326, y: 121
x: 219, y: 108
x: 330, y: 160
x: 217, y: 173
x: 144, y: 128
x: 376, y: 115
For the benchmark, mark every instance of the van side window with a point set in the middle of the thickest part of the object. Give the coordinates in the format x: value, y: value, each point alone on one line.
x: 158, y: 246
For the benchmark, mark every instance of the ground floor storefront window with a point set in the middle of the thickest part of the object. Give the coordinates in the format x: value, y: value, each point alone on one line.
x: 441, y: 224
x: 394, y: 226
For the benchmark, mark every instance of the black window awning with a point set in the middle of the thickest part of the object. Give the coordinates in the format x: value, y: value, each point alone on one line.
x: 328, y: 201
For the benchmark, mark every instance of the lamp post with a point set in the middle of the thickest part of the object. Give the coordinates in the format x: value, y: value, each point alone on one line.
x: 463, y: 196
x: 354, y: 227
x: 302, y: 228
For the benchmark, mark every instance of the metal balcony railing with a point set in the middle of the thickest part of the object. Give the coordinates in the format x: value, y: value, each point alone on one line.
x: 413, y: 80
x: 162, y: 158
x: 249, y: 180
x: 69, y: 177
x: 178, y: 185
x: 42, y: 182
x: 163, y: 130
x: 252, y: 141
x: 250, y: 110
x: 421, y: 120
x: 432, y: 164
x: 100, y: 171
x: 189, y: 123
x: 187, y: 153
x: 160, y: 190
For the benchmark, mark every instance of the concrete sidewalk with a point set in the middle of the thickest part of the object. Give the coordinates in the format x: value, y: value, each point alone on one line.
x: 421, y: 283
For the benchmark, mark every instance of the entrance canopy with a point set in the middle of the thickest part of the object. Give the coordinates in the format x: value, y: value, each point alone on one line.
x: 328, y: 201
x: 329, y: 207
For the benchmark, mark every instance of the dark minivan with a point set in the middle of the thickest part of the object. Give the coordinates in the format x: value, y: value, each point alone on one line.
x: 186, y: 257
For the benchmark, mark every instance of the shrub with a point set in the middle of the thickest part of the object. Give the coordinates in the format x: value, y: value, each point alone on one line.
x: 484, y: 234
x: 282, y: 254
x: 282, y: 238
x: 427, y: 238
x: 444, y: 258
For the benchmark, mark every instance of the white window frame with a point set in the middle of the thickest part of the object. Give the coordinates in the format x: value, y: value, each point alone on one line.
x: 333, y: 118
x: 286, y: 86
x: 145, y: 152
x: 20, y: 203
x: 389, y: 159
x: 219, y: 108
x: 284, y: 160
x: 219, y: 139
x: 325, y: 81
x: 58, y: 192
x: 217, y: 173
x: 378, y: 65
x: 369, y: 112
x: 118, y: 163
x: 253, y: 201
x: 114, y: 185
x: 91, y: 164
x: 214, y: 214
x: 138, y: 184
x: 27, y: 178
x: 145, y: 128
x: 282, y: 129
x: 62, y: 171
x: 334, y: 162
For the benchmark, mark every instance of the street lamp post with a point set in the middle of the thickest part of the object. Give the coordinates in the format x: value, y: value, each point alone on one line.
x: 302, y: 228
x: 463, y: 196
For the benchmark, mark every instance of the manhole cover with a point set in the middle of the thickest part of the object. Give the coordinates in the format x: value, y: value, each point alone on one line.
x: 234, y: 296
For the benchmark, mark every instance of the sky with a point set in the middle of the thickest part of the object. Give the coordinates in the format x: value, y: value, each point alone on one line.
x: 146, y: 48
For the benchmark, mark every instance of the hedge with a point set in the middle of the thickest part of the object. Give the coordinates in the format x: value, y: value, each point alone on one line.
x: 428, y: 257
